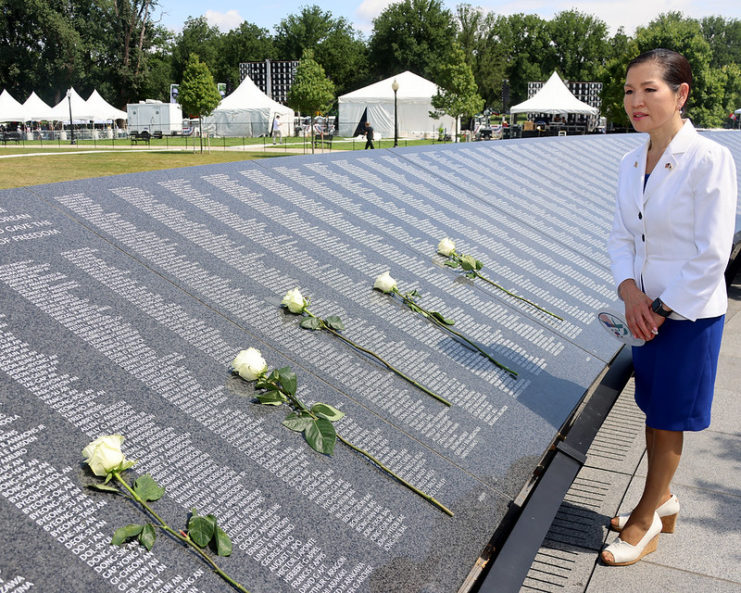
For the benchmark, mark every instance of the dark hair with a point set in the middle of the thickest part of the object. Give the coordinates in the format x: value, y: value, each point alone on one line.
x: 674, y: 67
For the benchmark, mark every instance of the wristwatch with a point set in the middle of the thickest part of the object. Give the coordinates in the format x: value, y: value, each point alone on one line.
x: 658, y: 307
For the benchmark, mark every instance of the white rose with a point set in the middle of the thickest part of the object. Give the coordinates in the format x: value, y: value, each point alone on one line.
x: 250, y: 364
x: 104, y: 454
x: 294, y: 300
x: 445, y: 247
x: 385, y: 283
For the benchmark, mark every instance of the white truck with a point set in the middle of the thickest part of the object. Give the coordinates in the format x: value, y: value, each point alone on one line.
x: 155, y: 116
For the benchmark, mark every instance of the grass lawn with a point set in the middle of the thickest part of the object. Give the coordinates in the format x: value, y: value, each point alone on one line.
x: 36, y: 170
x: 107, y: 158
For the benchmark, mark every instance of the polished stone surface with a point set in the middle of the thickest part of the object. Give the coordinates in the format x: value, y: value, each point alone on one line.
x: 125, y: 298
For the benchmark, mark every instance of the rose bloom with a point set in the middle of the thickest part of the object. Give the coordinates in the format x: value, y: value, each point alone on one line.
x: 294, y: 300
x: 385, y: 283
x: 104, y: 454
x: 445, y: 247
x: 250, y: 364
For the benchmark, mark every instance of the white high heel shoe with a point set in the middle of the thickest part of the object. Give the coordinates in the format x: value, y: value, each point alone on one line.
x: 667, y: 512
x: 624, y: 554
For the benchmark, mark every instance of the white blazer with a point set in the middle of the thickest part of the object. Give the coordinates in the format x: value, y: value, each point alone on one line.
x: 674, y: 238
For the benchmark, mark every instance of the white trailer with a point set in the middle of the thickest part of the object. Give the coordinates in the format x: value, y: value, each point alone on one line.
x: 155, y: 116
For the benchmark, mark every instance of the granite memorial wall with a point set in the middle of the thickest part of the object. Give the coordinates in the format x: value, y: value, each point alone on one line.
x: 126, y: 298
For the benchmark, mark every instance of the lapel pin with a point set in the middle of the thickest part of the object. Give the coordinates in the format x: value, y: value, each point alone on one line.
x: 668, y: 166
x: 635, y: 164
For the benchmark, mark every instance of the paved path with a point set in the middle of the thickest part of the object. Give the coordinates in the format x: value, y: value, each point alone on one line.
x: 704, y: 553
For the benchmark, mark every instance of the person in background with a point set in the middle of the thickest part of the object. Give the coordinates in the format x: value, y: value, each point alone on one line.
x: 276, y: 128
x: 368, y: 136
x: 669, y: 246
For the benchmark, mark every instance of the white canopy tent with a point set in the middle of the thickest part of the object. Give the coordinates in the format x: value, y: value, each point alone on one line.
x: 10, y: 109
x: 81, y: 112
x: 414, y: 103
x: 554, y: 98
x: 103, y: 111
x: 248, y: 112
x: 35, y: 109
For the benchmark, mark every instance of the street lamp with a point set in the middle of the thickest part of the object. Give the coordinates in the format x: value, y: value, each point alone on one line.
x: 71, y: 125
x: 395, y: 87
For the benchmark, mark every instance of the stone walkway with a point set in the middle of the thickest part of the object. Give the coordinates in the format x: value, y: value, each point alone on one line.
x: 704, y: 553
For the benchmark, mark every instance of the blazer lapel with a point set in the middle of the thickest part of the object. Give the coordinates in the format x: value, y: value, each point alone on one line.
x: 670, y: 161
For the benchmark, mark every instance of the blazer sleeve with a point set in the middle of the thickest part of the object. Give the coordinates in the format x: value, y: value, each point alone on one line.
x: 621, y: 243
x: 714, y: 188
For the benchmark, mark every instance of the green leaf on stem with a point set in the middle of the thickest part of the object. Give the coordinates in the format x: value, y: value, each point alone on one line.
x: 201, y: 529
x: 479, y: 264
x: 335, y: 323
x: 451, y: 264
x: 287, y: 380
x: 326, y: 411
x: 271, y: 398
x: 147, y: 537
x: 223, y: 543
x: 296, y: 422
x: 125, y: 533
x: 147, y: 488
x: 471, y: 275
x: 416, y: 309
x: 439, y: 316
x: 321, y: 435
x: 104, y: 487
x: 311, y: 323
x: 468, y: 263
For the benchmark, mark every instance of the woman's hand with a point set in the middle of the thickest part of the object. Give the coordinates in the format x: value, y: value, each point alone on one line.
x: 643, y: 323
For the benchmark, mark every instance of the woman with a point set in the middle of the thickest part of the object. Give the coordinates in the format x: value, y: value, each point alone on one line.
x: 669, y: 246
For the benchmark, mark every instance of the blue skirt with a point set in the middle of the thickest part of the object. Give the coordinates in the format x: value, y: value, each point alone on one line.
x: 675, y: 373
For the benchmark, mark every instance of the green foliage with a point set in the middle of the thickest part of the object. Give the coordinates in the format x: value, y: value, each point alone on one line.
x: 684, y: 35
x: 413, y: 35
x: 198, y: 93
x: 525, y: 41
x: 483, y: 51
x: 337, y: 47
x: 312, y: 92
x: 122, y: 534
x: 197, y: 37
x: 246, y: 43
x: 204, y: 530
x: 147, y: 489
x: 621, y: 50
x: 724, y: 37
x: 458, y: 95
x: 578, y: 45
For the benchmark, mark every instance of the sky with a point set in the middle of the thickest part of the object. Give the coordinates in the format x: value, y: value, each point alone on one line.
x: 228, y: 14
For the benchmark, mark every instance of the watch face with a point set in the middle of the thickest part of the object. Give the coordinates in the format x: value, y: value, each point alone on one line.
x: 616, y: 325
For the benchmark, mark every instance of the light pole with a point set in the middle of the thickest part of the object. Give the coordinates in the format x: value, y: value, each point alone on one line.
x: 395, y: 88
x: 71, y: 125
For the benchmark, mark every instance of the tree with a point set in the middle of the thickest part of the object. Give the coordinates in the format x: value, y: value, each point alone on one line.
x: 128, y: 31
x: 40, y: 49
x: 684, y: 35
x: 200, y: 38
x: 621, y: 49
x: 724, y: 37
x: 412, y: 35
x: 526, y: 45
x: 246, y: 43
x: 337, y: 47
x: 483, y: 52
x: 312, y: 92
x: 198, y: 93
x: 579, y: 45
x: 458, y: 95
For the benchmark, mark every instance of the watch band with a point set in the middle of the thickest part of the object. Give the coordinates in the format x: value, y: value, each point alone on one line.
x: 658, y: 307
